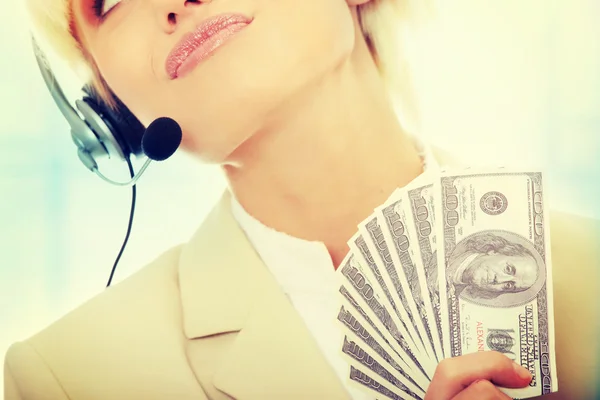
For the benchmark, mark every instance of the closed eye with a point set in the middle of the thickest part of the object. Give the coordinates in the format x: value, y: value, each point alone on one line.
x: 102, y: 7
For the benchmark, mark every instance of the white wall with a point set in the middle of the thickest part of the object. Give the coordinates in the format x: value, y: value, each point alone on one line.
x: 514, y: 81
x: 500, y: 82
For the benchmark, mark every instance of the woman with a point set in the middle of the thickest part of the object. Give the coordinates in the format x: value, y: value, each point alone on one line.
x: 292, y: 104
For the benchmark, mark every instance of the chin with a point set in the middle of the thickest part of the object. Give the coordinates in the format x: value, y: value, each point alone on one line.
x: 232, y: 152
x: 210, y: 155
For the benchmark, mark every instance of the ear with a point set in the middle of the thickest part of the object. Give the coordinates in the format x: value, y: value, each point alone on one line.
x: 352, y: 3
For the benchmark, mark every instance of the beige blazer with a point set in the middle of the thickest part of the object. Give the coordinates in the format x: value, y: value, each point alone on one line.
x: 206, y: 320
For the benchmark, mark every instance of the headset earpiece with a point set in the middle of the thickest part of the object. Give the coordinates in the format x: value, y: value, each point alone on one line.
x: 126, y: 130
x: 97, y: 130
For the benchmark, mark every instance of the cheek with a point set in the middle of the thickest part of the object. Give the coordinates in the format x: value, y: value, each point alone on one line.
x: 497, y: 265
x: 479, y: 274
x: 528, y: 277
x: 136, y: 93
x: 126, y: 66
x: 482, y: 264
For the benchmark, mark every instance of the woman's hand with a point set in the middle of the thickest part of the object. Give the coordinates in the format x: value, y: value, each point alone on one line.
x: 473, y: 376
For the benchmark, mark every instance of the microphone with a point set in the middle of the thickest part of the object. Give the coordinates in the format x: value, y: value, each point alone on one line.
x: 159, y: 142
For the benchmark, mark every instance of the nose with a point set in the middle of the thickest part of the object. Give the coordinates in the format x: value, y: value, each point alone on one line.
x: 171, y: 13
x: 503, y: 276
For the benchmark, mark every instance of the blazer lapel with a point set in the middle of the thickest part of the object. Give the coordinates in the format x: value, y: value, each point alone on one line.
x: 225, y: 287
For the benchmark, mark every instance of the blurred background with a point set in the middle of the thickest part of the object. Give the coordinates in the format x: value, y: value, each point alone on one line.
x: 500, y: 82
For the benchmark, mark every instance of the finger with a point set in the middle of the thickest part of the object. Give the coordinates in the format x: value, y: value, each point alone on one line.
x: 481, y: 390
x: 453, y: 375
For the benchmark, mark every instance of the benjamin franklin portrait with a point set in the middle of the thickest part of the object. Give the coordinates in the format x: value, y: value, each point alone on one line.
x: 495, y: 268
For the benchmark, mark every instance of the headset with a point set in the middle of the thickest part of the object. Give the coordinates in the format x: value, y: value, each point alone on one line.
x: 101, y: 132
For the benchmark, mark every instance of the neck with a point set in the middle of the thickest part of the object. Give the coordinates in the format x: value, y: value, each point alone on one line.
x: 337, y: 152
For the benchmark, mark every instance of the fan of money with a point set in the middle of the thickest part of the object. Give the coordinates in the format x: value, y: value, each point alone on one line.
x: 454, y: 263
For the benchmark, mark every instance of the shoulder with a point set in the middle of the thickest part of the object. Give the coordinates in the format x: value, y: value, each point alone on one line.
x: 577, y: 230
x: 149, y: 287
x: 139, y: 316
x: 575, y: 251
x: 128, y: 341
x: 575, y: 273
x: 575, y: 256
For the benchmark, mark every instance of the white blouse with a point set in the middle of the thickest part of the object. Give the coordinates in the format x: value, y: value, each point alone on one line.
x: 305, y: 272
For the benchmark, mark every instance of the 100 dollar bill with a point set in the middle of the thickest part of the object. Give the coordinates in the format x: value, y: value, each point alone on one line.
x: 421, y: 225
x: 380, y: 351
x: 367, y: 384
x: 362, y: 359
x: 495, y: 271
x: 361, y: 289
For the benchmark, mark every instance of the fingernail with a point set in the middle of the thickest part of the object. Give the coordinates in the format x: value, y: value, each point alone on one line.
x: 522, y: 372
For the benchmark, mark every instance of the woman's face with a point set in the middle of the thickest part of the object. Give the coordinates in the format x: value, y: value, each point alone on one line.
x: 234, y: 93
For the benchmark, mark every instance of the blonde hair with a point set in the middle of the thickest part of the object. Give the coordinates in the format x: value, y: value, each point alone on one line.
x: 52, y: 26
x: 384, y: 24
x: 388, y: 26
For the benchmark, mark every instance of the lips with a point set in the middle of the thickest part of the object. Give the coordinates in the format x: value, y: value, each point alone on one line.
x: 201, y: 43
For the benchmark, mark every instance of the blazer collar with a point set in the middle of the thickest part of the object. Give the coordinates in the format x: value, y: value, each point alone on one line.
x: 225, y: 287
x: 218, y: 278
